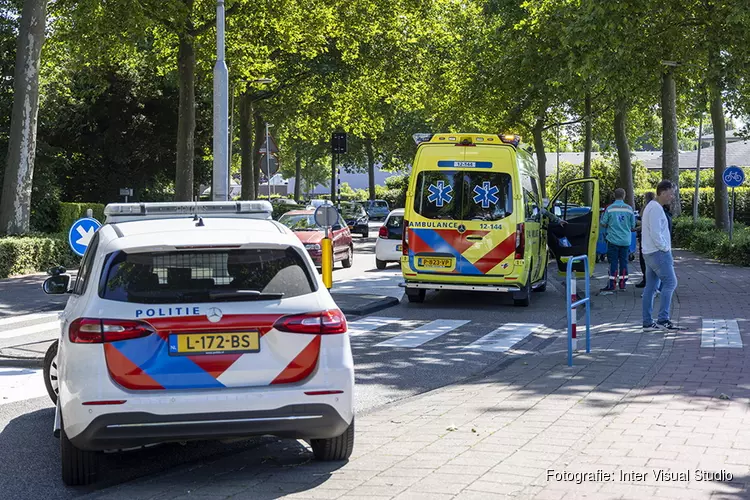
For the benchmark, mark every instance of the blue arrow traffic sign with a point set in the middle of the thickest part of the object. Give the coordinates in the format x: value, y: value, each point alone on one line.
x: 733, y: 176
x: 81, y: 233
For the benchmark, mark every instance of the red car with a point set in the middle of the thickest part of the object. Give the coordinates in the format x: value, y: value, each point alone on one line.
x: 302, y: 222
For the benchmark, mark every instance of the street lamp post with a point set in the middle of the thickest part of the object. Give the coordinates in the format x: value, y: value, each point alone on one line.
x: 268, y: 161
x: 220, y: 189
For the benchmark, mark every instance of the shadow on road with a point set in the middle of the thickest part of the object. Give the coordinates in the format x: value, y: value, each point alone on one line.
x: 30, y: 461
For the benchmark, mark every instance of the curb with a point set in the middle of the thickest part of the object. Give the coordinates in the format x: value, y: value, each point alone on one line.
x: 369, y: 305
x: 18, y: 362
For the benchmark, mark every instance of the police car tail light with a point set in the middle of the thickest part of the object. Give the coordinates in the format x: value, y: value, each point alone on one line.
x: 383, y: 232
x: 97, y: 331
x: 520, y: 240
x: 326, y: 322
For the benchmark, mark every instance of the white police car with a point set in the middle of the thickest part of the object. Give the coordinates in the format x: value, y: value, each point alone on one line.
x: 198, y: 321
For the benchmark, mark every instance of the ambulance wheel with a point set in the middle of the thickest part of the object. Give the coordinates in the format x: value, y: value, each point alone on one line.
x: 79, y: 467
x: 415, y: 296
x: 523, y: 298
x: 380, y: 264
x: 336, y: 448
x: 543, y: 286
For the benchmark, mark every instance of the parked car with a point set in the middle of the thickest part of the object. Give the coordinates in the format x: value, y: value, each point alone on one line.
x: 313, y: 204
x: 377, y: 209
x: 356, y: 218
x: 180, y: 330
x: 283, y: 201
x: 302, y: 222
x: 388, y: 244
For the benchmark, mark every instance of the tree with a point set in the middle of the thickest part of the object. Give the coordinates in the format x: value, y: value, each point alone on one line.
x: 15, y: 205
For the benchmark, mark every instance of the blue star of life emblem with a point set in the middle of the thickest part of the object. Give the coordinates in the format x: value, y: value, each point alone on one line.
x: 440, y: 193
x: 486, y: 194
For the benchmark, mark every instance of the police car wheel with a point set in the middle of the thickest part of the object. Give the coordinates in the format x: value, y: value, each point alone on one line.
x: 50, y: 372
x: 347, y: 262
x: 380, y: 264
x: 336, y: 448
x: 79, y: 467
x: 415, y: 296
x: 365, y: 233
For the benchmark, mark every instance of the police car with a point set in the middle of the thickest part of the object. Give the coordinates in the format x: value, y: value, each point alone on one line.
x: 198, y: 321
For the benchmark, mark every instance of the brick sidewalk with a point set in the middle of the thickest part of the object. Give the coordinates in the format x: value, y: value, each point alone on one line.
x: 639, y: 403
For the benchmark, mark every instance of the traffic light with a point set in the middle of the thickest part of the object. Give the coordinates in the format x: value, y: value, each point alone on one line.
x: 338, y: 142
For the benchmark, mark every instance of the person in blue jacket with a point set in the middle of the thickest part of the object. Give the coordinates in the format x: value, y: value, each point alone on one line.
x: 618, y: 222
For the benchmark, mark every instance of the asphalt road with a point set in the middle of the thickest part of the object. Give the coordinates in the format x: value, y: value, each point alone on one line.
x: 402, y: 351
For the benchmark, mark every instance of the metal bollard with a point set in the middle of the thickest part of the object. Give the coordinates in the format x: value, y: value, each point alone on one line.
x: 326, y: 248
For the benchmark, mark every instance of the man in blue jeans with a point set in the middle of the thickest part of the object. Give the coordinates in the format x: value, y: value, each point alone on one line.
x: 619, y: 223
x: 657, y: 252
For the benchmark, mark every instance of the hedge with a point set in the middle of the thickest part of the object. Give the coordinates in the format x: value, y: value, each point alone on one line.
x: 71, y: 212
x: 29, y: 254
x: 706, y: 202
x: 703, y: 237
x: 279, y: 210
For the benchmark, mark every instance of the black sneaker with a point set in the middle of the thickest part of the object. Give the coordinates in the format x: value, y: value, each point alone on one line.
x: 653, y: 327
x: 668, y: 325
x: 641, y: 284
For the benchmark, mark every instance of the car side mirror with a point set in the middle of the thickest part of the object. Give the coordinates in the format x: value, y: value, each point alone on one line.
x: 56, y: 285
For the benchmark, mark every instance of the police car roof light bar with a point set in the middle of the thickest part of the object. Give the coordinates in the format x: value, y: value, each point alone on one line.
x: 258, y: 209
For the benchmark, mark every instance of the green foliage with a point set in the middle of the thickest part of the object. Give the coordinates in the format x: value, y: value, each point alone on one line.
x: 71, y: 212
x: 279, y: 210
x: 394, y: 191
x: 34, y: 253
x: 703, y: 237
x: 607, y: 171
x: 706, y: 203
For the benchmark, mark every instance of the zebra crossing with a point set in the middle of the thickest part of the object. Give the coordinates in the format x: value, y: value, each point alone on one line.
x: 498, y: 340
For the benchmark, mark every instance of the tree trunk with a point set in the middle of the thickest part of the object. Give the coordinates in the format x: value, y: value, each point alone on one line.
x: 186, y: 119
x: 15, y: 204
x: 370, y: 166
x: 623, y: 151
x: 670, y: 164
x: 587, y: 151
x: 721, y: 197
x: 246, y: 147
x: 541, y: 158
x: 297, y: 174
x: 260, y: 132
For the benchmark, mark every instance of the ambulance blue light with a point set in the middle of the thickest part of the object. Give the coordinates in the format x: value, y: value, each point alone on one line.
x: 419, y: 138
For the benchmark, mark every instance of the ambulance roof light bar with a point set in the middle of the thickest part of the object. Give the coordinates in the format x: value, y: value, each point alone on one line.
x: 513, y: 139
x: 421, y: 137
x: 120, y: 212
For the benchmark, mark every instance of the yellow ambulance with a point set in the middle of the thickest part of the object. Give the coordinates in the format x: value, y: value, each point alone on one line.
x: 473, y: 219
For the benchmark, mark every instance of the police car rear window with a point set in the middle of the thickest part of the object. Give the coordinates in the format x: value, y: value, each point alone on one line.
x: 205, y: 276
x: 463, y: 195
